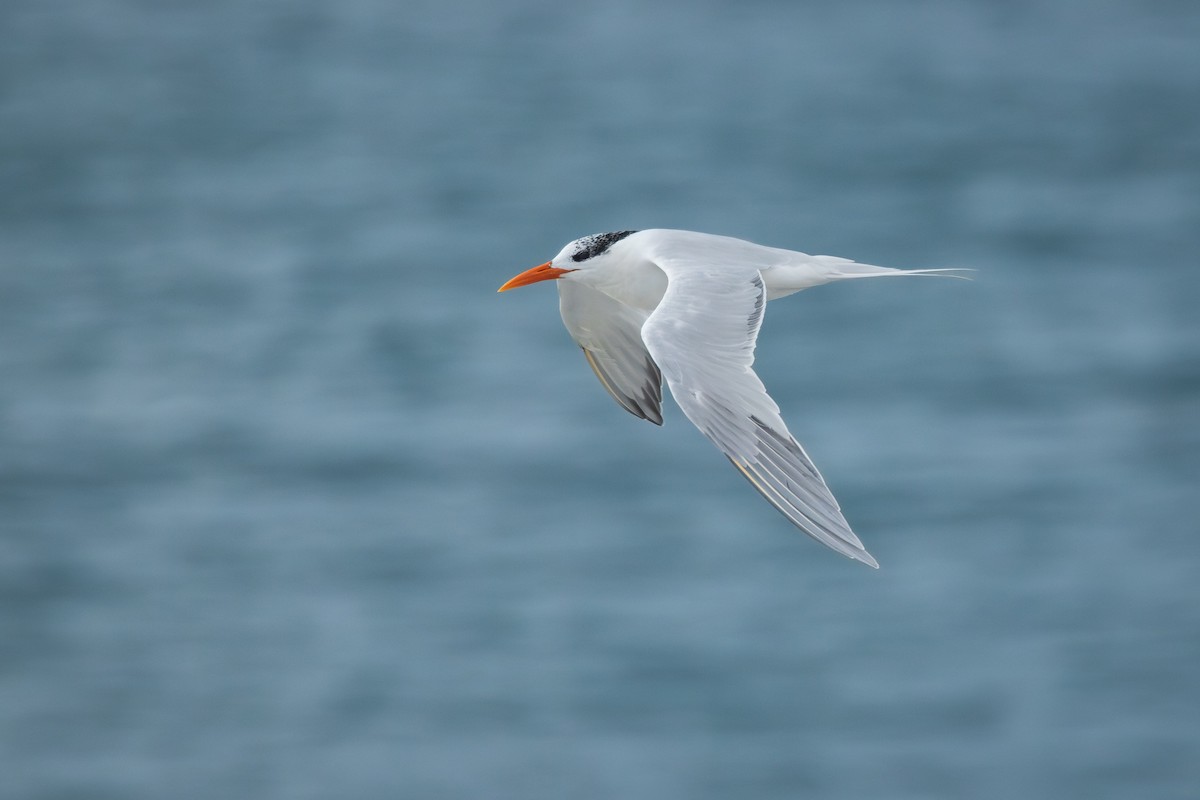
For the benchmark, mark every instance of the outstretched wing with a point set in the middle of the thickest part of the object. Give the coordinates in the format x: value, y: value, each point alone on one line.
x: 610, y: 334
x: 702, y: 336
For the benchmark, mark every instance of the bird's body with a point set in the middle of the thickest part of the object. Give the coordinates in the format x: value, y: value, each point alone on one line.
x: 687, y: 306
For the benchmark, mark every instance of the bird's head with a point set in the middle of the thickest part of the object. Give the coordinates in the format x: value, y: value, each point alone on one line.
x: 575, y: 261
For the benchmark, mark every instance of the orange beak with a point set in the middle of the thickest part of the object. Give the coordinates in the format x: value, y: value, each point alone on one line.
x: 542, y: 272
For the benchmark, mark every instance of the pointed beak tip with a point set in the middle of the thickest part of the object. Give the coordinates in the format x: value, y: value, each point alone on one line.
x: 542, y: 272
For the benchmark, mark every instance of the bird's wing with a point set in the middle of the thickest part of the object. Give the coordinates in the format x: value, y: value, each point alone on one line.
x: 702, y: 336
x: 610, y: 334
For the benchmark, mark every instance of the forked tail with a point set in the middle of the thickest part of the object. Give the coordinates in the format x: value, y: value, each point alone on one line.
x: 816, y: 270
x: 842, y: 269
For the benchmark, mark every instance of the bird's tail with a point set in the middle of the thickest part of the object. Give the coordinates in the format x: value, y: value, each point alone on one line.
x: 816, y: 270
x: 838, y: 269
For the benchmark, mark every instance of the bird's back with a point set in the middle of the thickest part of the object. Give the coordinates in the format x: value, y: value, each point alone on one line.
x: 783, y: 271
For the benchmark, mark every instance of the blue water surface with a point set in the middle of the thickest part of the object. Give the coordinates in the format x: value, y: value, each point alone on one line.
x: 294, y: 505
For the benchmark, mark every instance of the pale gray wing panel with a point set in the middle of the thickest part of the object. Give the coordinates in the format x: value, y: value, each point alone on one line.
x: 610, y: 334
x: 702, y: 335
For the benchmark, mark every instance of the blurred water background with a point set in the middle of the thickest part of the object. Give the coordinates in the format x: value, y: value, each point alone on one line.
x: 294, y: 505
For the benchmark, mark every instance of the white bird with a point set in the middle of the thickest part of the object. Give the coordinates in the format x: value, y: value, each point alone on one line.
x: 687, y: 306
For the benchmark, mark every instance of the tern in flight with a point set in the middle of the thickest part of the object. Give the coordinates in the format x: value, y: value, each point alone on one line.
x: 687, y: 306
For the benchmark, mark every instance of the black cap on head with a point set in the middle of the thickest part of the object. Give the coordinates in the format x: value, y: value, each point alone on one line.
x: 592, y: 246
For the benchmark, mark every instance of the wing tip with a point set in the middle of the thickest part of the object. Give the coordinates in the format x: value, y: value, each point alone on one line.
x: 866, y: 558
x: 845, y: 543
x: 647, y: 407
